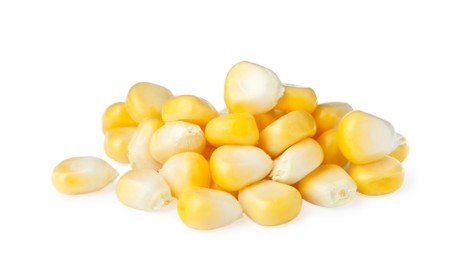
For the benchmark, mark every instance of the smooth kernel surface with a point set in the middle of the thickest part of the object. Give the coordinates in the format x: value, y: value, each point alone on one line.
x: 401, y: 152
x: 297, y: 98
x: 145, y: 100
x: 330, y: 145
x: 116, y: 116
x: 236, y: 129
x: 328, y: 115
x: 138, y: 148
x: 188, y: 108
x: 116, y: 143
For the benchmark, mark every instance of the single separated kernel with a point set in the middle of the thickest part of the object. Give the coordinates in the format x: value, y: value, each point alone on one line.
x: 365, y: 138
x: 286, y: 131
x: 235, y: 166
x: 117, y: 142
x: 402, y: 150
x: 297, y: 98
x: 297, y: 161
x: 188, y: 108
x: 327, y: 186
x: 204, y: 208
x: 145, y: 100
x: 237, y: 128
x: 80, y: 175
x: 176, y: 137
x: 138, y: 149
x: 377, y: 178
x: 270, y: 203
x: 143, y: 189
x: 251, y: 88
x: 330, y: 145
x: 184, y: 170
x: 328, y: 115
x: 115, y: 116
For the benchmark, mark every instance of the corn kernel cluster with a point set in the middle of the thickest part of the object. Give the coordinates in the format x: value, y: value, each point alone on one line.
x: 272, y: 147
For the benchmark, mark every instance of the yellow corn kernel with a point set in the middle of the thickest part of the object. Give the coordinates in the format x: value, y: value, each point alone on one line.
x: 143, y: 189
x: 297, y: 161
x: 267, y: 118
x: 174, y: 138
x: 215, y: 186
x: 251, y: 88
x: 78, y: 175
x: 286, y: 131
x: 188, y: 108
x: 330, y: 145
x: 237, y: 128
x: 328, y: 115
x: 297, y: 98
x: 204, y: 208
x: 327, y: 186
x: 234, y: 166
x: 116, y: 116
x: 270, y: 203
x: 145, y: 100
x: 365, y: 138
x: 401, y: 152
x: 377, y: 178
x: 138, y: 149
x: 117, y: 142
x: 185, y: 170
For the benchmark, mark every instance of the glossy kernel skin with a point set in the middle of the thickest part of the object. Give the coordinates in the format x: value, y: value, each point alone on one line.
x: 401, y: 152
x: 232, y: 129
x: 116, y: 143
x: 286, y: 131
x: 138, y: 149
x: 185, y: 170
x: 270, y: 203
x: 116, y: 116
x: 328, y: 115
x: 204, y: 208
x: 188, y: 108
x: 145, y: 100
x: 330, y: 145
x: 297, y: 98
x: 79, y: 175
x: 377, y: 178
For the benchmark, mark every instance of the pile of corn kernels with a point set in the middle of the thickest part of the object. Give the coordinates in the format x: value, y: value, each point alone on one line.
x: 272, y: 147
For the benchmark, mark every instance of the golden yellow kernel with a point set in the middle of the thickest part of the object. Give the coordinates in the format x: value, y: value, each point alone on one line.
x: 286, y: 131
x: 188, y: 108
x: 145, y: 100
x: 78, y: 175
x: 297, y: 98
x: 116, y: 116
x: 330, y: 145
x: 328, y: 115
x: 377, y: 178
x: 117, y: 142
x: 237, y: 128
x: 270, y: 203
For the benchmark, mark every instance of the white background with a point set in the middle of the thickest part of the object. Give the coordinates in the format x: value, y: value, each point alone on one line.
x: 62, y: 63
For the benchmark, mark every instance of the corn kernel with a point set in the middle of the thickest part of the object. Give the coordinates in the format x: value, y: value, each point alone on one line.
x: 143, y: 189
x: 215, y: 186
x: 286, y: 131
x: 138, y: 149
x: 203, y: 208
x: 116, y: 116
x: 188, y: 108
x: 234, y: 167
x: 365, y: 138
x: 328, y: 115
x: 145, y: 100
x: 401, y: 152
x: 328, y: 186
x: 377, y: 178
x: 80, y: 175
x: 251, y: 88
x: 267, y: 118
x: 270, y: 203
x: 297, y: 98
x: 117, y: 142
x: 174, y: 138
x: 297, y: 161
x: 184, y: 170
x: 237, y: 128
x: 330, y: 145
